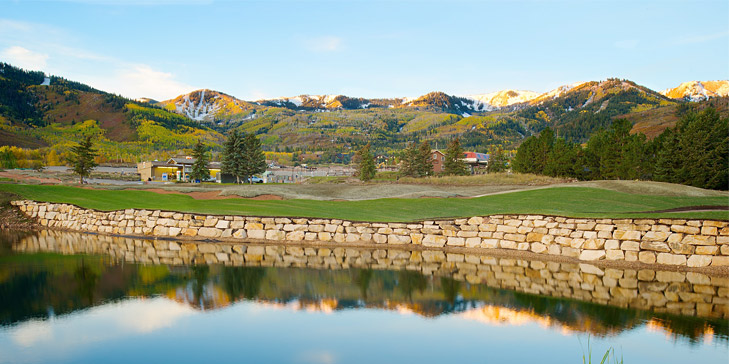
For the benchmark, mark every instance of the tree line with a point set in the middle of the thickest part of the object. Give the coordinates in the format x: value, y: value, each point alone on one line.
x: 695, y: 152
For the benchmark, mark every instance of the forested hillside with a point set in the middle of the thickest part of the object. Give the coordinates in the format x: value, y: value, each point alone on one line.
x: 53, y: 113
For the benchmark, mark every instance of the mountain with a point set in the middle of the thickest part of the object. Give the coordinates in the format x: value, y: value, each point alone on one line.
x: 499, y: 99
x: 698, y: 90
x: 49, y: 111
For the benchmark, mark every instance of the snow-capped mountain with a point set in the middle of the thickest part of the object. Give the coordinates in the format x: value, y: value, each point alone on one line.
x: 210, y: 106
x: 495, y: 100
x: 698, y: 90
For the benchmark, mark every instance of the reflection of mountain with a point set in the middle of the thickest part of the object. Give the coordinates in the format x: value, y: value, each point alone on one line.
x: 37, y: 286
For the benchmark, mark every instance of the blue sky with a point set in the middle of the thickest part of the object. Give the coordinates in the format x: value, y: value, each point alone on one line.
x: 266, y: 49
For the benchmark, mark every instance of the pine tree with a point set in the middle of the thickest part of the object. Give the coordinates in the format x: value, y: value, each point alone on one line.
x: 232, y: 158
x: 82, y: 158
x: 409, y: 160
x: 454, y: 164
x: 497, y: 160
x: 423, y: 160
x: 252, y: 157
x: 366, y: 167
x: 200, y: 171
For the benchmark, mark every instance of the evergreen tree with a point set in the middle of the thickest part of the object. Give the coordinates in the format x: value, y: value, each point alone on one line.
x: 200, y: 171
x: 252, y: 157
x: 366, y: 169
x: 423, y: 160
x: 454, y: 164
x: 232, y: 159
x: 564, y: 160
x: 524, y: 161
x: 408, y: 168
x: 82, y: 158
x: 497, y: 160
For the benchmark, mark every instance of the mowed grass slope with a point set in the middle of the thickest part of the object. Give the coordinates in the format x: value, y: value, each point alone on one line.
x: 562, y: 201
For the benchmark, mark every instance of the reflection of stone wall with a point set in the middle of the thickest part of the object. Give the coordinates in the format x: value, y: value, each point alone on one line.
x: 674, y: 292
x: 693, y: 243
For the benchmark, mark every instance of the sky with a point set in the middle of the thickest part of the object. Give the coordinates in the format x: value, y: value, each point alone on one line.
x: 375, y: 49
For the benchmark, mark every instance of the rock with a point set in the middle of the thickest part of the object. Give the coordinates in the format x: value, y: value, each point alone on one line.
x: 209, y: 232
x: 654, y: 246
x: 671, y: 259
x: 434, y: 240
x: 222, y: 224
x: 592, y: 255
x: 699, y: 261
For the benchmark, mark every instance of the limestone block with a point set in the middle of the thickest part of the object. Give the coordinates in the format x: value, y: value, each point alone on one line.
x: 275, y: 235
x: 698, y: 261
x: 455, y: 241
x: 417, y: 239
x: 507, y: 229
x: 554, y: 249
x: 474, y: 242
x: 222, y: 224
x: 297, y: 235
x: 340, y: 237
x: 594, y: 244
x: 434, y: 240
x: 174, y: 231
x: 699, y: 240
x: 614, y: 254
x: 160, y: 230
x: 709, y: 230
x: 240, y: 234
x: 654, y: 246
x: 538, y: 248
x: 210, y: 221
x: 398, y: 239
x: 630, y: 246
x: 254, y: 226
x: 490, y: 243
x: 627, y: 235
x: 647, y: 257
x: 310, y: 236
x: 671, y: 259
x: 683, y: 229
x: 487, y: 227
x: 655, y: 236
x: 507, y: 244
x: 719, y: 260
x: 707, y: 249
x: 255, y: 234
x: 592, y: 255
x: 324, y: 236
x: 476, y: 220
x: 352, y: 238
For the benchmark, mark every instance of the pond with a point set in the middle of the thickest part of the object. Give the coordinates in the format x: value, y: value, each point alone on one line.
x: 82, y: 298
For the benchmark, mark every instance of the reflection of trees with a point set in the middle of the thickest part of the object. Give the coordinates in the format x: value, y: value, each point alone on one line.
x: 450, y: 287
x: 242, y: 281
x: 362, y: 280
x: 409, y: 281
x: 86, y: 280
x: 200, y: 275
x: 24, y: 295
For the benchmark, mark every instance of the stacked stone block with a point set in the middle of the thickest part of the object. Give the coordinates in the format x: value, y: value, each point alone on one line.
x: 692, y: 243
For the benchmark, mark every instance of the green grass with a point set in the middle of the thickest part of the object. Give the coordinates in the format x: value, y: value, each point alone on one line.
x: 562, y: 201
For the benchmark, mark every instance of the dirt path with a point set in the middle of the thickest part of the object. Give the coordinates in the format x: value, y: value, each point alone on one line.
x: 24, y: 178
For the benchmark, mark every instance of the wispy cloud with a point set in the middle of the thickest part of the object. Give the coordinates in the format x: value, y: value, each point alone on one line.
x: 24, y: 58
x: 56, y: 51
x: 323, y: 44
x: 701, y: 38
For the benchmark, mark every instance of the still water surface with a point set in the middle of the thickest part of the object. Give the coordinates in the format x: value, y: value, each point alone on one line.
x: 61, y: 308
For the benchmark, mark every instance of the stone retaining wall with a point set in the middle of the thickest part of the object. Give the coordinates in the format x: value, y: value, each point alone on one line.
x: 686, y: 293
x: 692, y: 243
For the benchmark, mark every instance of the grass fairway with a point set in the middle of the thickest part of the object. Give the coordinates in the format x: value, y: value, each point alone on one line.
x: 562, y: 201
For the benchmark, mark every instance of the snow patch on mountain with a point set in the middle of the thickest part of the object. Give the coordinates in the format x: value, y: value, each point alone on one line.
x: 698, y: 90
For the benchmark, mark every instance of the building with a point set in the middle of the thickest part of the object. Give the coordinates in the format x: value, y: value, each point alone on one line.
x: 176, y: 168
x: 438, y: 159
x: 476, y: 161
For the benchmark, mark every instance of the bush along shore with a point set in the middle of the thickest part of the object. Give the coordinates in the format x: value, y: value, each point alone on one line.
x: 675, y: 242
